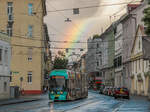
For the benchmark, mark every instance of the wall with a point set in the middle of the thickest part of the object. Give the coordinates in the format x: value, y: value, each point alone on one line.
x: 20, y: 66
x: 5, y: 67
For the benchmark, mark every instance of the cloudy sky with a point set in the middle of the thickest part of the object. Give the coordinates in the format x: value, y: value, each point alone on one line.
x: 90, y: 21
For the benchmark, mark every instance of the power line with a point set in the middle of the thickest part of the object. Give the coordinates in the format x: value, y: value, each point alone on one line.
x: 63, y: 16
x: 94, y: 6
x: 54, y: 41
x: 114, y: 14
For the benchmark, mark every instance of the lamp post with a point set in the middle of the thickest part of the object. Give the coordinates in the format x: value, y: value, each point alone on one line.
x: 21, y: 80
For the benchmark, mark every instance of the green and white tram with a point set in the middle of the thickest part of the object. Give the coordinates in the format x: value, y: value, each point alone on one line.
x: 67, y: 85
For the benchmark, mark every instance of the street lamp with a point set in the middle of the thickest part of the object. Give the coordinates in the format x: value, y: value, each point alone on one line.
x: 67, y: 20
x: 21, y: 80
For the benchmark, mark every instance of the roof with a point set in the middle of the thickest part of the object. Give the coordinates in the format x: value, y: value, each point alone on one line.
x: 136, y: 35
x: 131, y: 7
x: 44, y: 7
x: 145, y: 43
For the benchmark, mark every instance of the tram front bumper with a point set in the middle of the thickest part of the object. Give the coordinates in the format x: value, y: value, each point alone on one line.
x: 56, y: 97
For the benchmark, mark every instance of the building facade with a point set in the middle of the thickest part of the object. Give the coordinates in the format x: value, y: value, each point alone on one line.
x: 133, y: 18
x: 119, y: 77
x: 23, y: 22
x: 108, y: 55
x: 140, y: 67
x: 5, y: 55
x: 93, y: 60
x: 93, y: 56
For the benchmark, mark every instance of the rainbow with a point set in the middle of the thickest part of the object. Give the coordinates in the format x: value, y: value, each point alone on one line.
x: 77, y: 32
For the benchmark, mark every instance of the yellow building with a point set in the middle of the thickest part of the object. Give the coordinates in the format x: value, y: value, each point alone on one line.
x: 22, y: 20
x: 140, y: 67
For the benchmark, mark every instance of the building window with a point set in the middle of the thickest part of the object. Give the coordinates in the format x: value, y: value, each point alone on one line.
x: 0, y: 56
x: 5, y: 86
x: 10, y: 18
x: 10, y: 8
x: 6, y: 57
x: 136, y: 66
x: 146, y: 64
x: 30, y: 54
x: 100, y: 60
x: 139, y: 44
x: 143, y: 65
x: 118, y: 62
x: 30, y: 31
x: 97, y: 45
x: 97, y: 63
x: 9, y: 30
x: 30, y: 77
x: 139, y: 65
x: 30, y: 9
x: 10, y: 78
x: 133, y: 66
x: 76, y: 11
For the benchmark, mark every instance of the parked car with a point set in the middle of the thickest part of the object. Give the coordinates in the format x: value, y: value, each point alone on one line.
x: 113, y: 91
x: 105, y: 91
x: 121, y: 92
x: 110, y: 91
x: 101, y: 90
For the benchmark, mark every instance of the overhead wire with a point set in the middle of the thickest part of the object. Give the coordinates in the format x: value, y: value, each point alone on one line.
x: 114, y: 14
x: 65, y: 17
x: 94, y: 6
x: 51, y: 41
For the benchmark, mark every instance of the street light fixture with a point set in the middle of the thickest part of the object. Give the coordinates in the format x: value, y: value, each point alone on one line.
x: 67, y: 20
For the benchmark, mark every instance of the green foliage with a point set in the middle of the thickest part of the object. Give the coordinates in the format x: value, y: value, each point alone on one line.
x: 60, y: 61
x: 147, y: 73
x: 146, y: 19
x: 96, y: 36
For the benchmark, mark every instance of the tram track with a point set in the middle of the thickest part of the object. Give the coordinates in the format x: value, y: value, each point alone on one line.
x: 91, y: 102
x: 115, y: 107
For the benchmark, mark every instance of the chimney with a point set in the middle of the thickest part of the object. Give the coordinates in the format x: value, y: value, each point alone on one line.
x: 131, y: 7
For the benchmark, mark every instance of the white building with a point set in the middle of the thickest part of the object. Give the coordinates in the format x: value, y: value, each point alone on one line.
x: 140, y: 67
x: 119, y: 76
x: 93, y: 59
x: 5, y: 52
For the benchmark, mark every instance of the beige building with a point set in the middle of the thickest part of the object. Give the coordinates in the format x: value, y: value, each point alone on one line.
x: 140, y: 67
x: 23, y: 22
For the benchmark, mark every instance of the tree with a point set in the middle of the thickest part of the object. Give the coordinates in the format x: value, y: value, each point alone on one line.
x: 60, y: 61
x: 96, y: 36
x: 146, y: 19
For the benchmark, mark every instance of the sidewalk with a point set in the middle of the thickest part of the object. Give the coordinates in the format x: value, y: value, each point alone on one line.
x: 23, y: 99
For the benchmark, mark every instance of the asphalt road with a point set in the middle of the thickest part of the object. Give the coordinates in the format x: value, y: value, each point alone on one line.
x: 94, y: 103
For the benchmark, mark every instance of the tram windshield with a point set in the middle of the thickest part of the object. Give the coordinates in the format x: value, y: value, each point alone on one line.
x: 57, y: 83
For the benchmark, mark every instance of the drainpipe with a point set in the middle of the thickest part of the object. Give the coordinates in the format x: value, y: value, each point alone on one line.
x: 149, y: 82
x: 135, y: 19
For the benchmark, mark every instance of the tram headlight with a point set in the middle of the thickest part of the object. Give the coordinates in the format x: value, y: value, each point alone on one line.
x: 52, y: 92
x: 61, y: 92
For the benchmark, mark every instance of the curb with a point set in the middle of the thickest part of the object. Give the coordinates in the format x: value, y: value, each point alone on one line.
x: 18, y: 102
